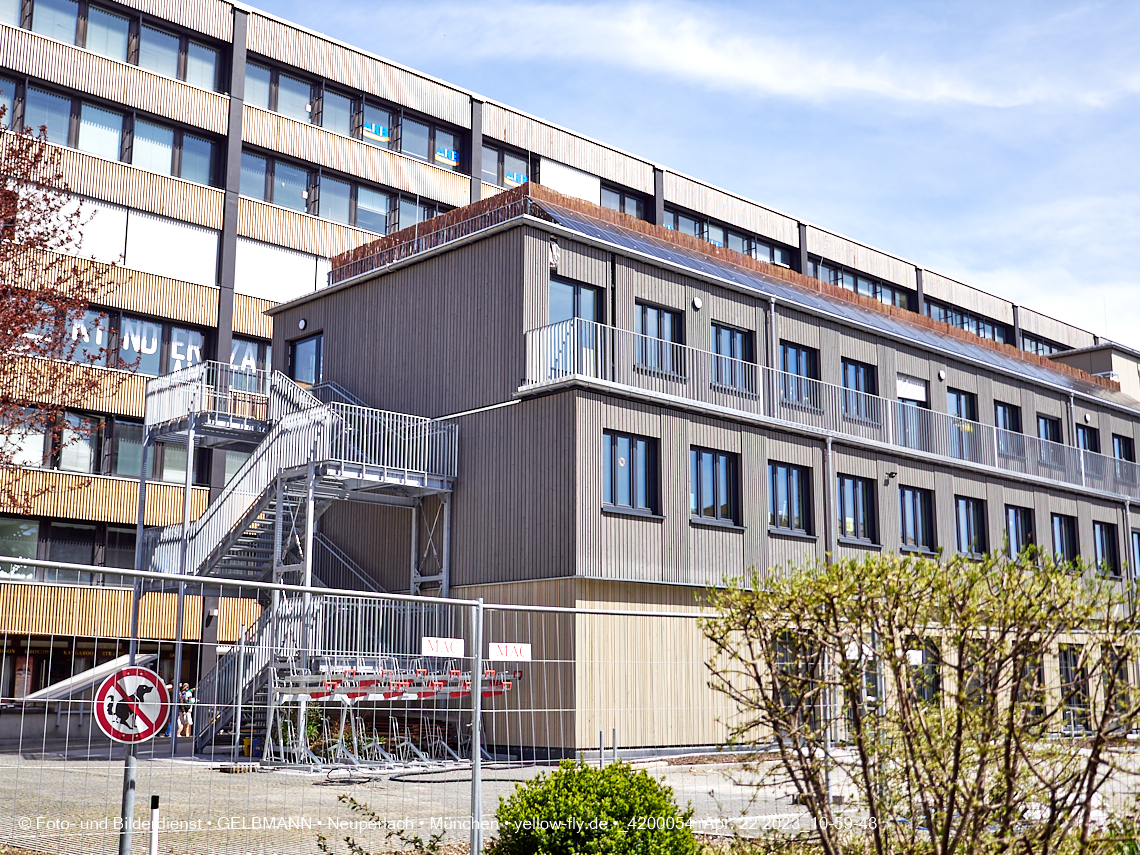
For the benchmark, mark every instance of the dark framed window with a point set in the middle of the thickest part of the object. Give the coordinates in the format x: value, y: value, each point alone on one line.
x: 429, y: 141
x: 1076, y: 700
x: 860, y: 391
x: 409, y: 210
x: 718, y: 235
x: 569, y: 299
x: 99, y: 545
x: 1007, y: 422
x: 856, y: 507
x: 1088, y: 439
x: 859, y: 283
x: 963, y: 410
x: 733, y: 365
x: 1048, y: 428
x: 799, y: 382
x: 272, y: 180
x: 504, y: 168
x: 970, y: 519
x: 306, y: 359
x: 1106, y: 549
x: 1040, y: 346
x: 962, y: 405
x: 925, y: 663
x: 1066, y: 546
x: 980, y: 326
x: 629, y: 472
x: 764, y: 250
x: 916, y: 508
x: 789, y: 494
x: 1123, y: 448
x: 1135, y: 553
x: 617, y: 199
x: 273, y: 89
x: 154, y: 347
x: 1019, y: 529
x: 714, y: 485
x: 352, y: 204
x: 659, y: 339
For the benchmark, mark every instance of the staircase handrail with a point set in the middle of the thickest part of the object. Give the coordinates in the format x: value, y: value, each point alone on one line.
x: 355, y: 571
x: 208, y: 386
x: 331, y: 392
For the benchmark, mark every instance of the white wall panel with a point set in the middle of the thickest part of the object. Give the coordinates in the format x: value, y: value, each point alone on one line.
x: 171, y: 248
x: 104, y: 231
x: 570, y: 181
x: 273, y: 272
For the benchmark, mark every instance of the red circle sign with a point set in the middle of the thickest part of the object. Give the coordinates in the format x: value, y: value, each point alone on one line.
x: 132, y: 705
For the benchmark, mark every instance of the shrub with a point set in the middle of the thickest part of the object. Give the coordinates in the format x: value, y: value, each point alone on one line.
x: 578, y: 809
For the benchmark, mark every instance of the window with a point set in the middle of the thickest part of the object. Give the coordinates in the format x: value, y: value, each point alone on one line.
x: 714, y: 485
x: 168, y: 151
x: 629, y: 472
x: 917, y: 518
x: 788, y: 493
x: 153, y: 147
x: 202, y: 66
x: 978, y: 325
x: 98, y: 545
x: 1105, y: 548
x: 866, y: 286
x: 376, y: 125
x: 100, y: 132
x: 352, y: 204
x: 337, y: 113
x: 1065, y: 545
x: 72, y: 444
x: 769, y: 252
x: 573, y: 300
x: 1135, y: 553
x: 718, y: 235
x: 618, y: 200
x: 925, y: 664
x: 1049, y: 431
x: 10, y: 12
x: 335, y: 201
x: 1019, y: 529
x: 249, y: 355
x: 294, y: 97
x: 658, y: 339
x: 126, y: 447
x: 429, y: 143
x: 1088, y: 439
x: 408, y: 211
x: 158, y: 51
x: 856, y: 506
x: 1074, y: 688
x: 799, y: 384
x: 91, y: 335
x: 19, y: 538
x: 7, y: 102
x: 305, y: 359
x: 1123, y: 448
x: 860, y: 389
x: 108, y: 34
x: 289, y: 187
x: 1007, y: 421
x: 372, y: 208
x: 962, y: 405
x: 49, y: 112
x: 970, y: 517
x: 152, y: 347
x: 258, y: 86
x: 56, y: 19
x: 733, y: 363
x: 963, y: 410
x: 186, y: 347
x: 1041, y: 346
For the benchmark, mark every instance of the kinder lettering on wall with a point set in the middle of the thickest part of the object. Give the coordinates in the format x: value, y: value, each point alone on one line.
x: 509, y: 651
x: 441, y: 646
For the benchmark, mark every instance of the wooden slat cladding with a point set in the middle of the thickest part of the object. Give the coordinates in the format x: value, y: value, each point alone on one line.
x: 70, y: 611
x: 250, y: 318
x: 843, y: 251
x: 212, y: 17
x: 282, y: 227
x: 75, y: 68
x: 99, y: 498
x: 969, y: 298
x: 1042, y: 325
x: 340, y: 63
x: 503, y: 124
x: 316, y: 145
x: 118, y: 392
x: 727, y: 208
x: 123, y: 184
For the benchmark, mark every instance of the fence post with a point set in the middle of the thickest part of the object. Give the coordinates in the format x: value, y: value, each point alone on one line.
x: 476, y: 727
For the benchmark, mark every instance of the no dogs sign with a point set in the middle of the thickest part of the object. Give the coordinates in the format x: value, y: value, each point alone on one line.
x: 132, y: 705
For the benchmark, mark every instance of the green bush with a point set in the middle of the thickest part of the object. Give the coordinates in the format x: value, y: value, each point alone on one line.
x: 579, y: 809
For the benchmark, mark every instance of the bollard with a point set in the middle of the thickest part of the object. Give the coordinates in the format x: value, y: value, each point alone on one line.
x: 154, y: 825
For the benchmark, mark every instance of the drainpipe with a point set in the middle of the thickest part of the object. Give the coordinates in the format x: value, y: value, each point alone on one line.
x: 772, y: 333
x: 829, y: 504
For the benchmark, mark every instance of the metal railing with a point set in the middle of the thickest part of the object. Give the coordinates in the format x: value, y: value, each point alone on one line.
x: 586, y: 349
x: 328, y: 392
x: 333, y: 568
x: 209, y: 387
x: 428, y: 238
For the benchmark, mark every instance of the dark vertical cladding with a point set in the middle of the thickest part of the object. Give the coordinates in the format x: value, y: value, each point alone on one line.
x: 658, y: 196
x: 376, y: 537
x: 921, y: 303
x: 804, y: 263
x: 476, y: 150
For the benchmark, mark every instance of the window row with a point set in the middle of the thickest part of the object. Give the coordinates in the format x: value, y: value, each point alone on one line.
x: 67, y: 542
x: 978, y: 325
x: 867, y: 286
x: 312, y: 191
x: 353, y: 115
x: 122, y: 35
x: 110, y: 133
x: 718, y: 235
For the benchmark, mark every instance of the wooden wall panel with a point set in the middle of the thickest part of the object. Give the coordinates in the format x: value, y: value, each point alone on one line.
x: 95, y: 612
x: 1052, y: 329
x: 99, y: 498
x: 847, y: 252
x: 212, y: 17
x: 75, y: 68
x: 950, y: 291
x: 731, y: 209
x: 354, y: 68
x: 377, y: 538
x: 583, y: 263
x: 250, y: 318
x: 119, y: 392
x: 504, y: 124
x: 294, y: 230
x: 391, y: 169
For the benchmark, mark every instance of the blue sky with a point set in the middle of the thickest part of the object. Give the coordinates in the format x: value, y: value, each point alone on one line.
x: 996, y: 143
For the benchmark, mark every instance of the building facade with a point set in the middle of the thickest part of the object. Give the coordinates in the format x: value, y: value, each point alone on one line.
x: 225, y: 158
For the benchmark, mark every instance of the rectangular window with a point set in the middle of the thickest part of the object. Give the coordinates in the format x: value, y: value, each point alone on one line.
x: 1107, y: 552
x: 305, y: 357
x: 618, y: 200
x: 788, y: 494
x: 917, y: 518
x: 198, y: 160
x: 856, y: 506
x: 1048, y: 428
x: 201, y: 66
x: 860, y: 391
x: 963, y: 439
x: 101, y: 132
x: 372, y: 210
x: 714, y: 485
x: 290, y: 187
x: 153, y: 147
x: 294, y: 98
x: 925, y: 663
x: 658, y: 337
x: 26, y: 439
x: 1088, y: 439
x: 799, y: 384
x: 490, y: 166
x: 1019, y: 529
x: 376, y: 126
x: 10, y: 12
x: 1065, y: 545
x: 56, y: 19
x: 19, y: 538
x: 126, y: 448
x: 446, y: 149
x: 734, y: 362
x: 258, y: 86
x: 1135, y: 553
x: 415, y: 139
x: 629, y: 472
x: 1074, y: 688
x: 335, y: 200
x: 1123, y: 448
x: 158, y: 51
x: 48, y: 112
x: 186, y: 348
x: 140, y: 344
x: 253, y: 171
x: 7, y: 102
x: 515, y: 170
x: 91, y: 335
x: 81, y: 444
x: 1007, y: 421
x: 1050, y: 449
x: 336, y: 113
x: 970, y: 517
x: 108, y: 34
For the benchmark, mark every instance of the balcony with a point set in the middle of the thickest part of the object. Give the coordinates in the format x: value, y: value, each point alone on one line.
x: 581, y: 349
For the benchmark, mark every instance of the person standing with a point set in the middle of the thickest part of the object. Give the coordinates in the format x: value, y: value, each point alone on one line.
x: 185, y: 710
